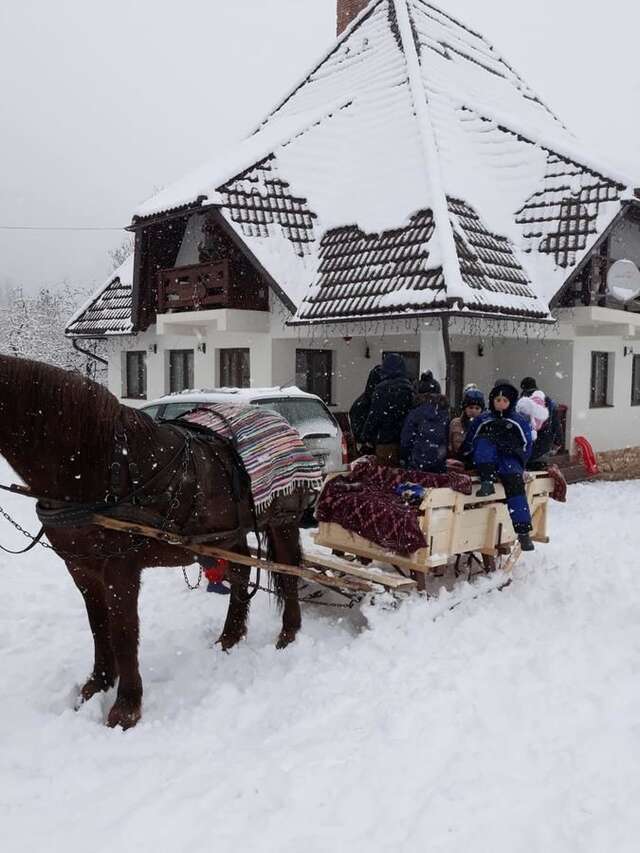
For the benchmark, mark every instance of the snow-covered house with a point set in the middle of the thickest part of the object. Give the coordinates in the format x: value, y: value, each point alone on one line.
x: 410, y: 193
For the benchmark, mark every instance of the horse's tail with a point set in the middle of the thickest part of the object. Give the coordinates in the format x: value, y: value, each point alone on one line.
x: 283, y: 546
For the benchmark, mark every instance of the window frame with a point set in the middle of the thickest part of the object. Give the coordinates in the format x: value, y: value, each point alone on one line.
x: 141, y: 374
x: 601, y: 397
x: 635, y: 381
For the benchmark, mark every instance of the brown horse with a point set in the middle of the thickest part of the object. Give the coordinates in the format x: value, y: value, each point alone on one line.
x: 73, y: 444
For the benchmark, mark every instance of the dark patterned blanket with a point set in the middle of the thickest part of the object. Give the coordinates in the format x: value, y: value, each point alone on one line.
x: 365, y: 502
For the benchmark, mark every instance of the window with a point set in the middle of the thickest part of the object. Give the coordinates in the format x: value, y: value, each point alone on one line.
x: 177, y: 410
x: 235, y: 368
x: 180, y: 370
x: 412, y: 361
x: 601, y: 384
x: 136, y: 378
x: 314, y: 370
x: 635, y: 382
x: 152, y: 411
x: 300, y: 413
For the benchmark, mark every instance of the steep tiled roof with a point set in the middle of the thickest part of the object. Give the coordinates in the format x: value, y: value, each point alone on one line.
x: 366, y: 275
x: 259, y: 198
x: 412, y: 170
x: 107, y: 312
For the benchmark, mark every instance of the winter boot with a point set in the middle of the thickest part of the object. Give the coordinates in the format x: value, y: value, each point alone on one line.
x: 525, y: 542
x: 487, y: 473
x: 486, y: 489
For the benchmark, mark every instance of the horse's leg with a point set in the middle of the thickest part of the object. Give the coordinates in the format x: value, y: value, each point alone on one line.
x: 284, y: 545
x: 122, y: 582
x: 91, y: 585
x: 235, y: 625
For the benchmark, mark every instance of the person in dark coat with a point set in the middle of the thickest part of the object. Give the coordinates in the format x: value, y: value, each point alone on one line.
x: 550, y: 436
x: 425, y: 434
x: 359, y: 411
x: 391, y: 402
x: 500, y: 443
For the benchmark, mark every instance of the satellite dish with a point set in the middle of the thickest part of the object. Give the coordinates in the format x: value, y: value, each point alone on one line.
x: 623, y: 281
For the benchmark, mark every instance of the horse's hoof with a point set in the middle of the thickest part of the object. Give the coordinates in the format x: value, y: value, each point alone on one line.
x: 91, y: 687
x: 285, y: 639
x: 124, y: 714
x: 228, y: 641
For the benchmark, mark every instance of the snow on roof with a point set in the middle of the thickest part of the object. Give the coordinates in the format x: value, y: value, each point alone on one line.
x: 107, y: 312
x: 413, y: 170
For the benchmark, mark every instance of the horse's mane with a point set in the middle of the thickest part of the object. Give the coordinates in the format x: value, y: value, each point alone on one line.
x: 72, y: 403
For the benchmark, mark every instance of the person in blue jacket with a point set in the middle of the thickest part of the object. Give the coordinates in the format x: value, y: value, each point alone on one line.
x: 425, y: 434
x: 500, y: 443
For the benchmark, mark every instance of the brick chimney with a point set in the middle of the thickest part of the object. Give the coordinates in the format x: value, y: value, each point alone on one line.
x: 348, y: 10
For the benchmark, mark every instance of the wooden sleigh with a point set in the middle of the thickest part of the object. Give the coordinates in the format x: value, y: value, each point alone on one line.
x: 454, y: 525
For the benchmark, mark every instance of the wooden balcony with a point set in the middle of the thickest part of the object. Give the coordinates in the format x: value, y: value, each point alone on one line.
x: 206, y: 287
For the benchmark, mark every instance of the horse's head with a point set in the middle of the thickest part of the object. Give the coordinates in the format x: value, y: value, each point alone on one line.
x: 56, y: 428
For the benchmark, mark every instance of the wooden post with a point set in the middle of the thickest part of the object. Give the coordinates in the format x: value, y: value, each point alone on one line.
x: 446, y: 343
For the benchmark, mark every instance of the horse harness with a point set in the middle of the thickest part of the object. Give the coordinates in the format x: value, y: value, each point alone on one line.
x: 130, y: 504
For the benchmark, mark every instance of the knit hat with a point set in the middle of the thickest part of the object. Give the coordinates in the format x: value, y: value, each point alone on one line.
x: 473, y: 397
x: 502, y: 388
x: 528, y: 385
x: 428, y: 385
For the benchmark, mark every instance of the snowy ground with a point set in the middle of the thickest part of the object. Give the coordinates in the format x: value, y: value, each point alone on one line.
x: 509, y: 724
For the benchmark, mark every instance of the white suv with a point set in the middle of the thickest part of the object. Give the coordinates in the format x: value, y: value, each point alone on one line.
x: 307, y: 413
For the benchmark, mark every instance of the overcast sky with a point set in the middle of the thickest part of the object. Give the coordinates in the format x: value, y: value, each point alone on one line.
x: 101, y: 103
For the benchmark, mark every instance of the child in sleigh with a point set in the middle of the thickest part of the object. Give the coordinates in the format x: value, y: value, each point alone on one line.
x: 499, y: 443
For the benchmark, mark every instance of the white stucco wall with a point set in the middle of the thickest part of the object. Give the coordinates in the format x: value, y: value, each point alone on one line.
x: 617, y: 426
x: 561, y: 366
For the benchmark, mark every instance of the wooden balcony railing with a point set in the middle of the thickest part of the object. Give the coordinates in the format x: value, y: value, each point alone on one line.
x: 207, y: 286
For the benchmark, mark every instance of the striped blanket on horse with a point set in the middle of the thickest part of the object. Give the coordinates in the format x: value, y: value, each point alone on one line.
x: 273, y: 454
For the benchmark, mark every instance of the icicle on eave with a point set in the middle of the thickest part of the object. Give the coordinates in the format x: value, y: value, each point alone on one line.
x: 455, y: 286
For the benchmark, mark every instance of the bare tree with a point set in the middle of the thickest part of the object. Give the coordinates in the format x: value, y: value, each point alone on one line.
x: 120, y: 254
x: 32, y: 326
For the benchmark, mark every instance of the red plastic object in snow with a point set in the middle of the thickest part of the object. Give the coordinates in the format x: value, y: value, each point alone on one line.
x: 217, y: 572
x: 588, y: 456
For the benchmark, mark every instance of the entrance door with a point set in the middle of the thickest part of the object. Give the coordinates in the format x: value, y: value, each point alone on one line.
x: 314, y: 370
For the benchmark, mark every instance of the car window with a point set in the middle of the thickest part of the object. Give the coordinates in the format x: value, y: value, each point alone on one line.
x: 152, y: 411
x: 176, y: 410
x: 300, y: 412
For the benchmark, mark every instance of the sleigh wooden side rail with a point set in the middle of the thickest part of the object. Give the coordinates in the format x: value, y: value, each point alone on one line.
x: 352, y: 578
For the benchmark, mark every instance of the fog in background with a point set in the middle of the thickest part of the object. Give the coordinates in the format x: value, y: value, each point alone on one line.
x: 101, y: 104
